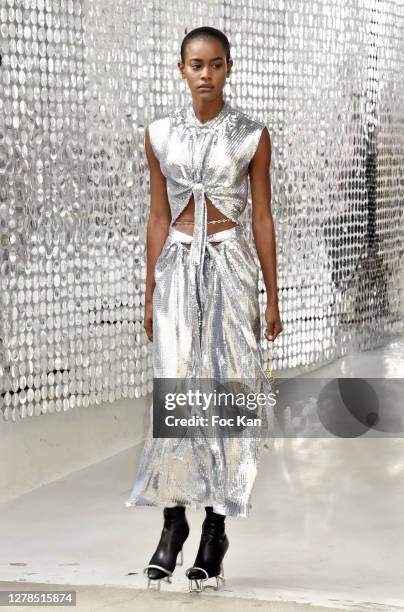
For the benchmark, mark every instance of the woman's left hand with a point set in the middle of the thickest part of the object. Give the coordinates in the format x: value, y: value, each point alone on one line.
x: 274, y: 325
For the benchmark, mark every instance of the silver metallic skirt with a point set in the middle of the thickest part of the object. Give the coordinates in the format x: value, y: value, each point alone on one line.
x: 210, y: 471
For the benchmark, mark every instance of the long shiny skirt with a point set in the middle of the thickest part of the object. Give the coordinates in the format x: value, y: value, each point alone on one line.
x: 204, y: 471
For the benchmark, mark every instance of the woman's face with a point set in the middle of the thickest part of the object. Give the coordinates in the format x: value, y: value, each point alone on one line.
x: 205, y: 64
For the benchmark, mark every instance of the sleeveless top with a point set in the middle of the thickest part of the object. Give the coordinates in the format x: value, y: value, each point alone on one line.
x: 198, y: 158
x: 212, y: 158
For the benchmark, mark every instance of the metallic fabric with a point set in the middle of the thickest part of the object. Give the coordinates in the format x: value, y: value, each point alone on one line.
x: 206, y: 317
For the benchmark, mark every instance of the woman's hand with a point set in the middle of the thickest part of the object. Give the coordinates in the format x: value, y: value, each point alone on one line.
x: 274, y: 325
x: 148, y: 320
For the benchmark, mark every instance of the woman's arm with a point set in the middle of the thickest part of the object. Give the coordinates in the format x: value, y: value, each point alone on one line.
x: 263, y: 229
x: 157, y: 226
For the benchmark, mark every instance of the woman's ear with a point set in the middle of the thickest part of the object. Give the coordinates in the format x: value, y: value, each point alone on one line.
x: 229, y: 67
x: 180, y: 68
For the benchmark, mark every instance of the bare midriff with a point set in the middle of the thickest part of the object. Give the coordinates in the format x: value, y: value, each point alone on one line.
x: 213, y: 214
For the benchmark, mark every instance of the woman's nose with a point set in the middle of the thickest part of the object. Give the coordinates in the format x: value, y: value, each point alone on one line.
x: 205, y: 73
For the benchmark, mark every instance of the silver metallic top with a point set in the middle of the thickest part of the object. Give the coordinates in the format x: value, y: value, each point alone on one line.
x: 209, y: 158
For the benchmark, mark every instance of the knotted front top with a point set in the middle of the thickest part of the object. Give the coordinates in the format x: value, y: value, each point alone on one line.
x: 209, y: 158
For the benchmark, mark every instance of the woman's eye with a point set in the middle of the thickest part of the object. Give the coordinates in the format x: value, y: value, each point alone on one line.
x: 196, y: 66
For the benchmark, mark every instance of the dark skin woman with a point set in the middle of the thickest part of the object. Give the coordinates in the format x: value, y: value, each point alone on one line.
x: 205, y: 65
x: 206, y: 69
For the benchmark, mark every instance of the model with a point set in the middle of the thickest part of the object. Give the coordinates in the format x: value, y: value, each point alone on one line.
x: 201, y: 304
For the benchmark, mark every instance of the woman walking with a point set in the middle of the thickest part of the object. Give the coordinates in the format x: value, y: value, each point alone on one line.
x: 202, y: 308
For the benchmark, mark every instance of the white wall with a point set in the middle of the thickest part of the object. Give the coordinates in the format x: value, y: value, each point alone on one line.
x: 37, y: 450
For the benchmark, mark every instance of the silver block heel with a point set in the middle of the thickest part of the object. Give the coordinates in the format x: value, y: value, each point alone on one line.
x: 199, y: 583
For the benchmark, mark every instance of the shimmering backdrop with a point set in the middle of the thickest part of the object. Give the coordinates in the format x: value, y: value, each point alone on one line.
x: 80, y: 81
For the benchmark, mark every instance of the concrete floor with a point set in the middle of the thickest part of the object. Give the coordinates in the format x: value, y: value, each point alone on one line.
x: 326, y: 527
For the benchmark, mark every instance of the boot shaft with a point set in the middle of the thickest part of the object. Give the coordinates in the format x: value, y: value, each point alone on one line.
x: 214, y: 524
x: 174, y: 516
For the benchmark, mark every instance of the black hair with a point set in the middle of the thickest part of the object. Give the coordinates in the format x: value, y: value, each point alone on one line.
x: 206, y: 32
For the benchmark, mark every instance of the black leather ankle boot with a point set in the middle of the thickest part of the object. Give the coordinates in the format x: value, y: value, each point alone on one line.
x: 175, y: 532
x: 212, y: 548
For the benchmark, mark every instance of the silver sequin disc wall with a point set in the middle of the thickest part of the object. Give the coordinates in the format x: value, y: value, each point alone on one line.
x: 80, y: 81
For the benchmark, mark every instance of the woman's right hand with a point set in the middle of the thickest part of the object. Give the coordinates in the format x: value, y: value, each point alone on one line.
x: 148, y: 320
